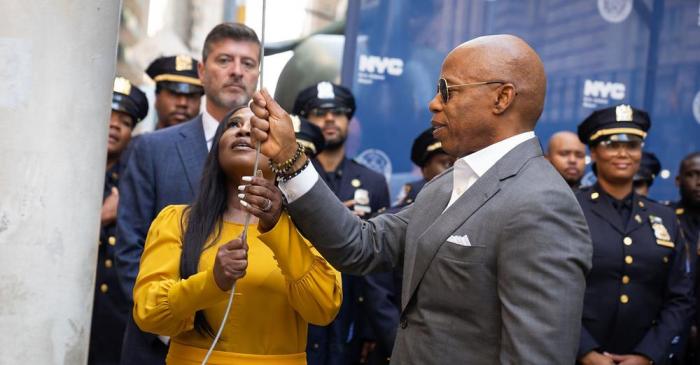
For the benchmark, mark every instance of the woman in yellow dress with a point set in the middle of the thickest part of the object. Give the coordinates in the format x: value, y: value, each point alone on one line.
x: 193, y: 256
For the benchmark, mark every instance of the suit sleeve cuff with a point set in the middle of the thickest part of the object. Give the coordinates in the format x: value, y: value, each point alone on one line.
x: 299, y: 185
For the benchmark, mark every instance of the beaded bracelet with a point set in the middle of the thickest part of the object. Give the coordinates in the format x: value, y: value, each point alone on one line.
x: 286, y: 177
x: 285, y: 167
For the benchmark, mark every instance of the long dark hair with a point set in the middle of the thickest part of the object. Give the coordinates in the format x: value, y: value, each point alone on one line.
x: 203, y: 219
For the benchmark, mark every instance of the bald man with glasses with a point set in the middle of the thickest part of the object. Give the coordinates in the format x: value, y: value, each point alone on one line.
x: 494, y: 251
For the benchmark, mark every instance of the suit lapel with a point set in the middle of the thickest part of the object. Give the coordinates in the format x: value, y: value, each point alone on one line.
x: 428, y: 243
x: 192, y: 150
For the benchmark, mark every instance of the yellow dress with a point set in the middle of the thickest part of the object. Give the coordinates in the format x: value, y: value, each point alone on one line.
x: 287, y: 285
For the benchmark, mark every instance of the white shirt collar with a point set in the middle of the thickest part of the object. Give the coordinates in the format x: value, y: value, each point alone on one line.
x: 483, y: 159
x: 470, y: 168
x: 210, y: 124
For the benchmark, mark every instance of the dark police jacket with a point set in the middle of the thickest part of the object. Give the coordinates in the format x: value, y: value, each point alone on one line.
x: 690, y: 226
x: 638, y: 293
x: 338, y: 343
x: 111, y: 307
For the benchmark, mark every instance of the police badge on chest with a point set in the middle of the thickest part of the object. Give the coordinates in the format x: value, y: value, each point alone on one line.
x: 361, y: 199
x: 660, y: 232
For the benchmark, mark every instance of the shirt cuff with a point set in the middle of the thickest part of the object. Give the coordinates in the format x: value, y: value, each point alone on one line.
x: 299, y: 185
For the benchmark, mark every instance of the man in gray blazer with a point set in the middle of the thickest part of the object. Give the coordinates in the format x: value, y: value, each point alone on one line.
x: 494, y: 251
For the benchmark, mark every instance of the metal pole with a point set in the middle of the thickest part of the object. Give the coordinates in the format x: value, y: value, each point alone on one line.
x: 58, y: 62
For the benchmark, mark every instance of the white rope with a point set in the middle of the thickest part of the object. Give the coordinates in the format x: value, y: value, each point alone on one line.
x: 244, y: 234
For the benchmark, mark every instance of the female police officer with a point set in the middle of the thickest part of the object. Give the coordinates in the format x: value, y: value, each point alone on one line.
x: 638, y: 292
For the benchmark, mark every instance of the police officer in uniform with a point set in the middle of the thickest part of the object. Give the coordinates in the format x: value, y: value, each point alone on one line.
x: 178, y: 89
x: 649, y: 168
x: 111, y: 308
x: 331, y: 107
x: 426, y: 153
x: 687, y: 210
x: 638, y: 294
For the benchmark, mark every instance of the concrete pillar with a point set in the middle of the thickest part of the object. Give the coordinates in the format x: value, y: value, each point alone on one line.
x: 57, y: 60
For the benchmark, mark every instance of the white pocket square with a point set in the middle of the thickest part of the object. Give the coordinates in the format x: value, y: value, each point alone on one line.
x: 459, y: 240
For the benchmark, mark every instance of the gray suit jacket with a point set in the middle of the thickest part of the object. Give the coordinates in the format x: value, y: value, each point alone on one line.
x: 514, y: 296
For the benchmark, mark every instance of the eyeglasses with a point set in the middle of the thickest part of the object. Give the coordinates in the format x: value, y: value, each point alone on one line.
x: 617, y: 146
x: 338, y: 111
x: 444, y: 90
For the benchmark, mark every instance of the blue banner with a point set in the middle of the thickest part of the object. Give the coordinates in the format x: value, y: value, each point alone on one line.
x: 597, y: 53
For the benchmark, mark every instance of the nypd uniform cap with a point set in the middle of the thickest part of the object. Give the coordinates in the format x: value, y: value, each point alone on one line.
x: 308, y: 135
x: 176, y: 73
x: 129, y: 99
x: 324, y: 95
x: 424, y: 147
x: 649, y: 167
x: 618, y: 123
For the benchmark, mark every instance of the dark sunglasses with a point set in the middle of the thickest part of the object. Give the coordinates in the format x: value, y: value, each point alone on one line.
x: 444, y: 90
x: 320, y: 112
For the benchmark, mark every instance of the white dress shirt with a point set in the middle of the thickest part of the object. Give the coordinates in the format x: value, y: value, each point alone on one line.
x: 210, y: 124
x: 467, y: 169
x: 470, y: 168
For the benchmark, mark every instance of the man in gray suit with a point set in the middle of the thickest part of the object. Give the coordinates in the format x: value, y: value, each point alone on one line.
x: 494, y: 251
x: 165, y: 166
